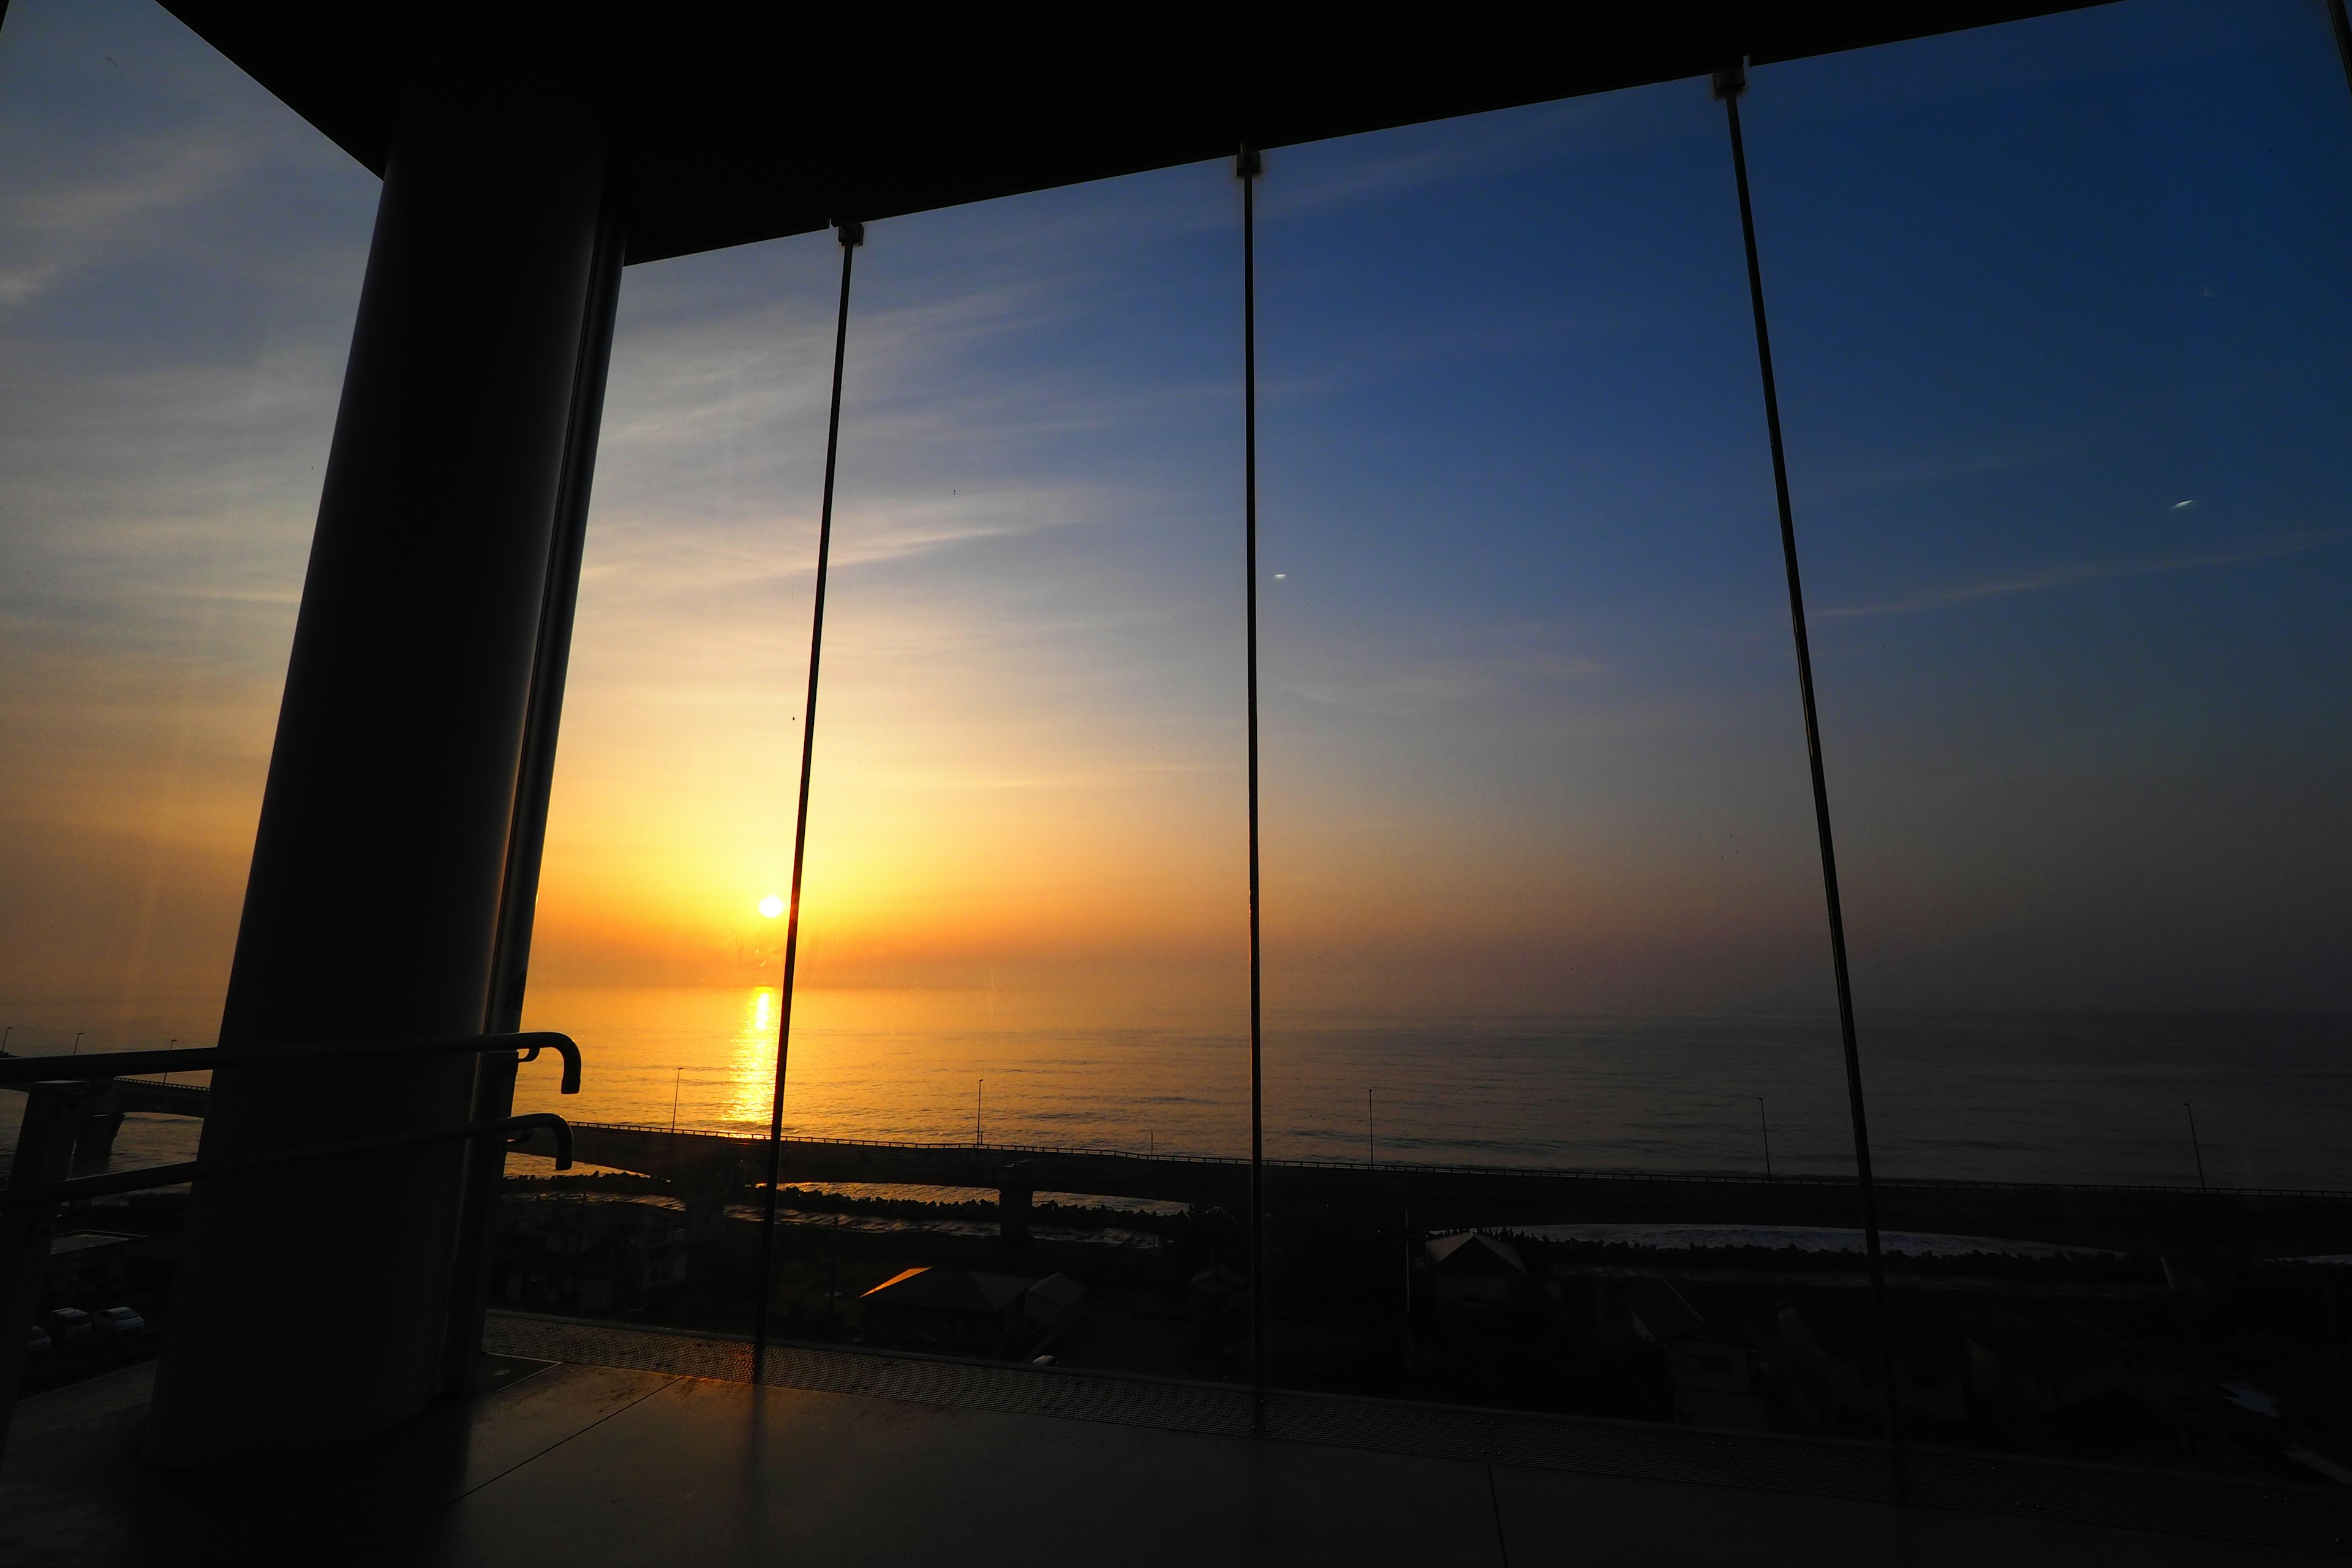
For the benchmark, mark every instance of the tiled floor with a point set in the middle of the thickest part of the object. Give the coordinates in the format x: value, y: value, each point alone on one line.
x: 585, y: 1466
x: 2208, y: 1508
x: 760, y: 1475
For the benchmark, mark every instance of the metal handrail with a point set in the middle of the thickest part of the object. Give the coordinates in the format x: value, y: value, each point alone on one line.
x: 56, y: 1088
x: 77, y: 1187
x: 19, y: 1069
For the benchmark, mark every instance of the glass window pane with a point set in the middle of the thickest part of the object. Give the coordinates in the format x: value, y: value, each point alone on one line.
x: 180, y: 261
x: 2061, y: 314
x: 2063, y: 329
x: 1023, y: 916
x: 1543, y: 892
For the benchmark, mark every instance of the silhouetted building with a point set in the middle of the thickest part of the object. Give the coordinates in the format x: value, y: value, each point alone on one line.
x: 81, y: 1262
x: 1051, y: 1308
x: 1473, y: 1267
x: 962, y: 1309
x: 598, y: 1258
x: 2026, y: 1368
x: 2068, y: 1391
x: 2117, y: 1428
x: 1829, y: 1368
x: 1712, y: 1373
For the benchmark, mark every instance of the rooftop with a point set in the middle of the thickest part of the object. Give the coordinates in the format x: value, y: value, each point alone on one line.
x: 2054, y: 1349
x: 951, y: 1289
x: 1475, y: 1252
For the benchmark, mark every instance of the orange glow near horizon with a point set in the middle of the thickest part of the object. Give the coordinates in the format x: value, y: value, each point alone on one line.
x: 941, y: 840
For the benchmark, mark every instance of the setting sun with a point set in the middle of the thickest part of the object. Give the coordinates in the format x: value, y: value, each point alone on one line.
x: 771, y: 905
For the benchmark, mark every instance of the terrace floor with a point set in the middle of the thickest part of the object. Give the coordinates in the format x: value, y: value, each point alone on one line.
x: 617, y: 1446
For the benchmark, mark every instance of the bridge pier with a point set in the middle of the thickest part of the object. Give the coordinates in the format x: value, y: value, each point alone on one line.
x: 705, y: 1185
x: 94, y: 1133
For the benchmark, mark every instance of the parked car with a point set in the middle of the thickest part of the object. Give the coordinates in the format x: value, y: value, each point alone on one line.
x: 118, y: 1320
x: 70, y: 1325
x: 39, y: 1341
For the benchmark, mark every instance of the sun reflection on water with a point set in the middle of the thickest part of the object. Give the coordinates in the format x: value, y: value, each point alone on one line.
x: 751, y: 1081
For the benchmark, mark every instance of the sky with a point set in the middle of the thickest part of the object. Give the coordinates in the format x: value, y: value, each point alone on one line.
x: 2060, y: 325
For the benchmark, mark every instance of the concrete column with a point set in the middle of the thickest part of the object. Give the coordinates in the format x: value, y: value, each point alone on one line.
x: 309, y: 1305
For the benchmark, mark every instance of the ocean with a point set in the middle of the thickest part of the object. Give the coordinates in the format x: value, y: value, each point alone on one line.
x: 2070, y: 1096
x: 2048, y: 1096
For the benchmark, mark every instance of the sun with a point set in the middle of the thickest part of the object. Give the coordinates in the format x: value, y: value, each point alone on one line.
x: 771, y: 905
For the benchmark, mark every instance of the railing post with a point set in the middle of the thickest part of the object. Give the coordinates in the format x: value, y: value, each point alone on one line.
x: 469, y: 1271
x: 45, y: 1142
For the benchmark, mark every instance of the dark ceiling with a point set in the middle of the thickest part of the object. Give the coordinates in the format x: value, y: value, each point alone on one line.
x: 736, y: 122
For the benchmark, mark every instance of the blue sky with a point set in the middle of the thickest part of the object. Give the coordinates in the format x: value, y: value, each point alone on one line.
x: 2063, y: 338
x: 1531, y: 727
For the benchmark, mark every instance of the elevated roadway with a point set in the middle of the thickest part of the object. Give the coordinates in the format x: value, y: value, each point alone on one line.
x: 154, y: 1096
x: 2222, y: 1224
x: 101, y: 1115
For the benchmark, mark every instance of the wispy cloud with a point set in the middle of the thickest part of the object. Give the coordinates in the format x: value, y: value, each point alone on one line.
x: 1481, y: 667
x: 135, y: 145
x: 103, y: 205
x: 1381, y: 166
x: 1877, y: 473
x: 2057, y: 577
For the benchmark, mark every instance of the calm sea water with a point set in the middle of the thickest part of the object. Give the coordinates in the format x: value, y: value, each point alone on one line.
x: 2046, y: 1096
x: 2095, y: 1097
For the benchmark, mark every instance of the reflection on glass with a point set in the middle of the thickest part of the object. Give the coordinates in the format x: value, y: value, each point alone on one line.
x: 170, y: 385
x: 180, y: 259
